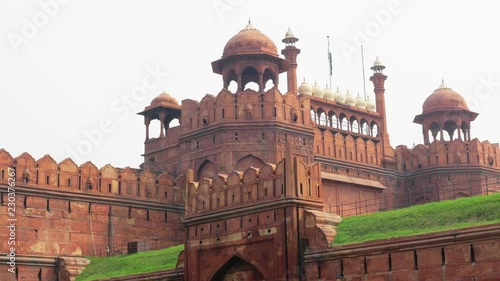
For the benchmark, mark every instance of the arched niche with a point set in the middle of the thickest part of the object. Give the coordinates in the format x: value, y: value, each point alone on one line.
x: 207, y: 169
x: 237, y: 268
x: 247, y: 162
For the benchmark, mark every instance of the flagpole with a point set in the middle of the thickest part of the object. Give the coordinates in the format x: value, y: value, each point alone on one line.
x: 330, y: 61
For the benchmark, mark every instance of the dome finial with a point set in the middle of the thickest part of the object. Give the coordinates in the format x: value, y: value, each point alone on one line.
x: 249, y: 25
x: 443, y: 85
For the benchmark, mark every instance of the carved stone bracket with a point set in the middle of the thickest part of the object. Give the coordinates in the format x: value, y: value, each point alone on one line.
x: 70, y: 267
x: 320, y: 228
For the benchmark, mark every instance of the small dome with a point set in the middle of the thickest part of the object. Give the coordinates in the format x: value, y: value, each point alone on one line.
x: 328, y: 94
x: 378, y: 62
x: 349, y: 99
x: 444, y: 99
x: 305, y: 88
x: 289, y: 34
x: 377, y: 66
x: 164, y: 99
x: 339, y: 97
x: 250, y: 41
x: 290, y: 37
x: 360, y: 102
x: 370, y: 105
x: 316, y: 91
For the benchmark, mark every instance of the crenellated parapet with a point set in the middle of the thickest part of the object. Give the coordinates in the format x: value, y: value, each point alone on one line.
x: 107, y: 181
x: 345, y: 147
x: 448, y: 153
x: 248, y: 106
x: 252, y: 187
x: 447, y: 170
x: 66, y: 209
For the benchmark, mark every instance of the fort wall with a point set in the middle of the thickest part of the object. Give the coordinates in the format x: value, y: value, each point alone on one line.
x: 62, y: 209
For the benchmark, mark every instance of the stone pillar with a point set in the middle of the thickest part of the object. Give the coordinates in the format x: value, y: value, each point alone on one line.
x: 147, y: 121
x: 425, y: 132
x: 162, y: 116
x: 261, y: 82
x: 240, y: 87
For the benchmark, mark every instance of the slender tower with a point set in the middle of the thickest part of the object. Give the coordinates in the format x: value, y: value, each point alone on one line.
x: 291, y: 52
x: 378, y: 78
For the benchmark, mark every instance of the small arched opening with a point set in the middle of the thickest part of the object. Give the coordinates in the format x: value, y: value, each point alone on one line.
x: 207, y: 169
x: 237, y: 269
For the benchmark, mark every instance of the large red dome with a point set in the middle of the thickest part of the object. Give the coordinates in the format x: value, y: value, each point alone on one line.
x: 250, y: 41
x: 164, y: 99
x: 444, y: 99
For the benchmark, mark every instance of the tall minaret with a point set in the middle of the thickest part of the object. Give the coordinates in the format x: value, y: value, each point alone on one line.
x: 378, y: 78
x: 291, y: 52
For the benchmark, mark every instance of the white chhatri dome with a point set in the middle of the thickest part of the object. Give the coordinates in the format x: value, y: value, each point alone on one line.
x: 328, y: 94
x: 349, y: 99
x: 316, y: 91
x: 370, y: 105
x: 339, y: 97
x: 305, y: 88
x: 360, y: 102
x: 378, y: 62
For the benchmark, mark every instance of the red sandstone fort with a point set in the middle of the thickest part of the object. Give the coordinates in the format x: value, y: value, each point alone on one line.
x: 255, y: 181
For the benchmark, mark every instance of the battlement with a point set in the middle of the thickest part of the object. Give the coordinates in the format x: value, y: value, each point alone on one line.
x: 254, y: 186
x: 248, y: 105
x: 338, y: 146
x: 442, y: 153
x: 108, y: 181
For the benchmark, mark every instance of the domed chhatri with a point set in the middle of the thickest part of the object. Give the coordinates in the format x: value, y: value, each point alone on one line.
x: 250, y: 41
x: 328, y: 94
x: 360, y: 102
x: 339, y: 97
x: 290, y: 38
x: 164, y: 99
x: 370, y: 105
x: 445, y: 111
x: 305, y: 88
x: 349, y: 99
x: 317, y: 91
x: 444, y: 99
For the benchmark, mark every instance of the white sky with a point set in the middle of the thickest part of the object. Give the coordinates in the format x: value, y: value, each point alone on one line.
x: 72, y: 72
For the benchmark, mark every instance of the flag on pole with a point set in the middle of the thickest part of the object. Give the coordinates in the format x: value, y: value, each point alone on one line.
x: 330, y: 57
x: 330, y: 60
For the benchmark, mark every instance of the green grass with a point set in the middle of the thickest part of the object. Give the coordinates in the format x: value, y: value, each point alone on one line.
x: 432, y: 217
x: 100, y: 268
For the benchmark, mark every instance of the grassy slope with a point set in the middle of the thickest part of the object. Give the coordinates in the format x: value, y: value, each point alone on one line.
x: 131, y: 264
x: 419, y: 219
x: 438, y: 216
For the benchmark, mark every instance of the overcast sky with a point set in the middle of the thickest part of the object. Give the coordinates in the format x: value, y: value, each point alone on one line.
x: 73, y: 74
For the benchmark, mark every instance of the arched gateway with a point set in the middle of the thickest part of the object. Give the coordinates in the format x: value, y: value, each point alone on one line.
x: 238, y: 269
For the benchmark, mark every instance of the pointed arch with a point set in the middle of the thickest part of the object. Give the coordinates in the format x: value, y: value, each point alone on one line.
x: 237, y: 265
x: 247, y: 162
x: 207, y: 169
